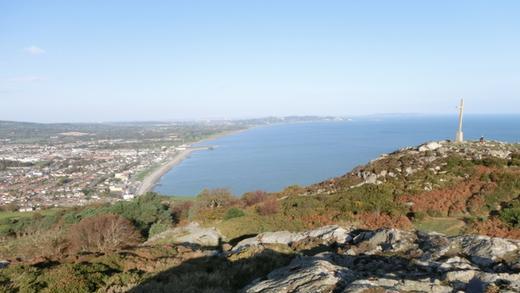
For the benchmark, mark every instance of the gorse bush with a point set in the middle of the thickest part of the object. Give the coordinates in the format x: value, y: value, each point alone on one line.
x: 157, y: 228
x: 515, y: 160
x: 511, y: 214
x: 142, y: 212
x: 234, y: 213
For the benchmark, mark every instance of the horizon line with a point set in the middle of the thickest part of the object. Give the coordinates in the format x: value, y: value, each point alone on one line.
x: 237, y: 119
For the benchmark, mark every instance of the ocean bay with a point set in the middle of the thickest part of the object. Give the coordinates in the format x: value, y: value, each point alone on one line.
x: 273, y: 157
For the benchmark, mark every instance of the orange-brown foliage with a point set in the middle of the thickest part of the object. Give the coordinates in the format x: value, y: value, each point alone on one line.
x: 455, y: 199
x: 268, y: 207
x: 374, y: 220
x: 252, y: 198
x: 317, y: 220
x: 102, y: 233
x: 495, y: 228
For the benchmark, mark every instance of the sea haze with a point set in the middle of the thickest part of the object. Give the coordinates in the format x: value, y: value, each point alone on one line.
x: 273, y: 157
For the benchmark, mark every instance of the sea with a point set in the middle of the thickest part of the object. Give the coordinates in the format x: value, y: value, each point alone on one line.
x: 273, y: 157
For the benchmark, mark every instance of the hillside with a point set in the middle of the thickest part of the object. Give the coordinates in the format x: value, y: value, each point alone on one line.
x: 375, y: 228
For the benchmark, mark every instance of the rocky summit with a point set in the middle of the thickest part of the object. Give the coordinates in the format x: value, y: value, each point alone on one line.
x: 388, y: 260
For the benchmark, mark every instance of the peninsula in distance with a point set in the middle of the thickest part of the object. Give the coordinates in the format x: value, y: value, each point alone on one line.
x: 259, y: 146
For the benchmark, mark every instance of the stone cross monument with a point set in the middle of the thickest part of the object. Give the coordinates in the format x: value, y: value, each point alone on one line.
x: 460, y: 135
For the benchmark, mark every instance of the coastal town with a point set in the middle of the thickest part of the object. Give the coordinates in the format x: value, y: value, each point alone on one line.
x: 59, y: 165
x: 72, y: 168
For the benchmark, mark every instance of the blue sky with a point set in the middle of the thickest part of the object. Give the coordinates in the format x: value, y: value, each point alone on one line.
x: 169, y: 60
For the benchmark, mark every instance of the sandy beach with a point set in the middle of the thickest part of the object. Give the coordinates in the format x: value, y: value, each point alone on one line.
x: 150, y: 180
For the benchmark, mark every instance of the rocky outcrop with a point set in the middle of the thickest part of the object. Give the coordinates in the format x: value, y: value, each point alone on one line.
x: 390, y: 260
x: 430, y: 146
x: 304, y: 275
x: 323, y: 236
x: 190, y: 234
x: 408, y: 161
x: 485, y: 251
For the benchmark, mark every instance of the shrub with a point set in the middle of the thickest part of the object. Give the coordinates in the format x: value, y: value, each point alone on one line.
x: 143, y: 212
x: 458, y: 166
x: 157, y: 228
x: 233, y: 213
x: 103, y: 233
x: 210, y: 203
x: 493, y: 162
x: 268, y: 207
x: 180, y: 211
x: 511, y: 216
x: 252, y: 198
x: 418, y: 216
x: 515, y: 160
x: 215, y: 198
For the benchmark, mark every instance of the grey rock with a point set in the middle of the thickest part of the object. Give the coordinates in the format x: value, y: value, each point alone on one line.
x: 383, y: 240
x: 395, y: 285
x: 371, y: 179
x: 326, y: 235
x: 303, y: 275
x: 430, y: 146
x: 190, y: 234
x: 4, y: 264
x: 456, y: 263
x: 391, y: 260
x: 485, y: 251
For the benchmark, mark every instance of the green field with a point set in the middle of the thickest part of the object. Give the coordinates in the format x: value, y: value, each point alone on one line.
x: 18, y: 215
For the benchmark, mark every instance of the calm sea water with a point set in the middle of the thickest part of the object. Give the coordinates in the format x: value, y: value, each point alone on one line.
x: 273, y: 157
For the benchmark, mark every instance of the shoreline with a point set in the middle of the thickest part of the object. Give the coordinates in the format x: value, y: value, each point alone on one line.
x: 151, y: 180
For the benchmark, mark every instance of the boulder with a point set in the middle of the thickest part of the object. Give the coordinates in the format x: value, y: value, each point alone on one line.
x: 190, y: 234
x: 503, y: 281
x: 433, y: 245
x: 502, y: 154
x: 396, y: 285
x: 486, y: 251
x: 324, y: 235
x: 430, y: 146
x: 383, y: 240
x: 4, y: 264
x: 460, y: 278
x: 371, y: 179
x: 304, y: 274
x: 456, y: 263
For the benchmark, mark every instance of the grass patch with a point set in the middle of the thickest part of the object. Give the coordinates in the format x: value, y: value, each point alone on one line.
x: 19, y: 215
x: 448, y: 226
x: 254, y: 224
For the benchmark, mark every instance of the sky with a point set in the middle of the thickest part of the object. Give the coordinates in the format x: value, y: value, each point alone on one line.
x: 90, y: 61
